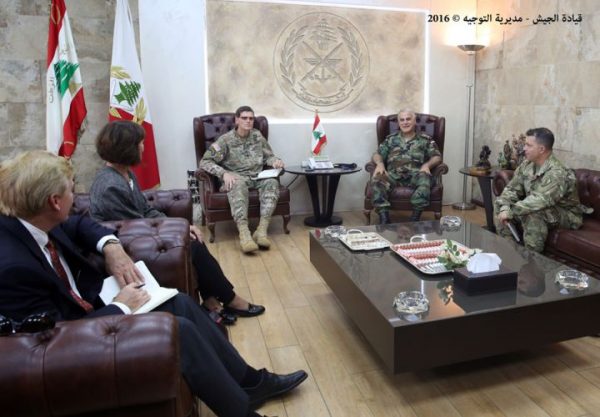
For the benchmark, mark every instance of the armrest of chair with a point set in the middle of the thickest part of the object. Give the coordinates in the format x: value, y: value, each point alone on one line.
x: 163, y: 244
x: 209, y: 181
x: 500, y: 180
x: 174, y: 203
x: 91, y: 365
x: 437, y: 172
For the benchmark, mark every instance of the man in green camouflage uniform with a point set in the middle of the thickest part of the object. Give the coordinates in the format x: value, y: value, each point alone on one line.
x: 541, y: 195
x: 236, y: 157
x: 405, y: 158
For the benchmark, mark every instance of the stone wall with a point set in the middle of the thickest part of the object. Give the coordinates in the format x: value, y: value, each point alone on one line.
x: 540, y: 75
x: 23, y: 47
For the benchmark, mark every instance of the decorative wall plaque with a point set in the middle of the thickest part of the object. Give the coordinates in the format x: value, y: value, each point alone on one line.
x: 321, y: 61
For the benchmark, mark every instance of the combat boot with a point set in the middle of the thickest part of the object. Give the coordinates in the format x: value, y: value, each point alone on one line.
x: 384, y: 217
x: 416, y: 215
x: 260, y: 234
x: 246, y: 243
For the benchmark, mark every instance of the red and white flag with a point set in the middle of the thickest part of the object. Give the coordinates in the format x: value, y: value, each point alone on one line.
x: 319, y: 138
x: 65, y: 104
x: 127, y: 97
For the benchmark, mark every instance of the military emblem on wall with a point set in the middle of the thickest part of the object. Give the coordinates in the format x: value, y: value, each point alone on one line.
x: 321, y: 61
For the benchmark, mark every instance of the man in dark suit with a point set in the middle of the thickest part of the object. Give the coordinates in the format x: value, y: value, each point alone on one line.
x: 43, y: 269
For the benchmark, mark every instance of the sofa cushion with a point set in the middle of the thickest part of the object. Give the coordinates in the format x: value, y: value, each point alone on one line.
x: 588, y: 187
x: 581, y: 244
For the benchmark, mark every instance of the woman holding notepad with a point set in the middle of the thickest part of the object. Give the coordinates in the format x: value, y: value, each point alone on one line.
x: 116, y: 195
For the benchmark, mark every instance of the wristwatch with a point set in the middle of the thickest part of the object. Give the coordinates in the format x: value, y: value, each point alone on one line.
x: 111, y: 242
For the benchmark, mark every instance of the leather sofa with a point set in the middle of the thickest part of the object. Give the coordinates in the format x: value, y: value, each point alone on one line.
x: 577, y: 248
x: 175, y: 204
x: 112, y: 365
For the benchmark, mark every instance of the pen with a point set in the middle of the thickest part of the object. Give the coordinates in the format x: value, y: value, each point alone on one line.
x: 139, y: 286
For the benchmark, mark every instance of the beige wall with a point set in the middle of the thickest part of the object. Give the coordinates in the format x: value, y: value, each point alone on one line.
x: 541, y: 75
x: 530, y: 75
x: 23, y: 40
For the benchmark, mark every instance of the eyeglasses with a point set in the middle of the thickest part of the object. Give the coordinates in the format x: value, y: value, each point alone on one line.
x: 247, y: 117
x: 31, y: 324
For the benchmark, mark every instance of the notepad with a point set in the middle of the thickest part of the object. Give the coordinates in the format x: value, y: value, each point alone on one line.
x: 158, y: 294
x: 268, y: 173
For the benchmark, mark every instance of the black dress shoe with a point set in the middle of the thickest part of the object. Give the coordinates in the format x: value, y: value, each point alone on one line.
x: 253, y: 310
x: 272, y: 385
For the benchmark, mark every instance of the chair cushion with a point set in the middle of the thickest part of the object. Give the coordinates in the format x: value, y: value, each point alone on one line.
x: 215, y: 201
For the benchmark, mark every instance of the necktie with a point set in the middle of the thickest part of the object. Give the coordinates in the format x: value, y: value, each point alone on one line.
x: 62, y: 274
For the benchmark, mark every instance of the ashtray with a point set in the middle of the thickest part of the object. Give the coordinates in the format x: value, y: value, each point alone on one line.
x: 335, y: 231
x: 411, y: 302
x: 450, y: 223
x: 572, y: 279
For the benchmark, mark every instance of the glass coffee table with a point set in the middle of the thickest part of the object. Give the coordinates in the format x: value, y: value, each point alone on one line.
x: 457, y: 327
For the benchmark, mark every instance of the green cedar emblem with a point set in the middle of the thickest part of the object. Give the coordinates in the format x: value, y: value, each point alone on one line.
x: 130, y: 92
x: 63, y: 71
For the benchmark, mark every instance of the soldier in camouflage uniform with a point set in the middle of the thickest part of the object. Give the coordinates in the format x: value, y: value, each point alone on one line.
x: 236, y: 157
x: 541, y: 195
x: 405, y: 158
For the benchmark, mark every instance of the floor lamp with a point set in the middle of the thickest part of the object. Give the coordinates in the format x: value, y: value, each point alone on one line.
x: 471, y: 50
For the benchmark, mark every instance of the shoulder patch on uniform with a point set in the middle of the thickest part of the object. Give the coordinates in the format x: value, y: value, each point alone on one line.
x: 425, y: 135
x: 216, y: 147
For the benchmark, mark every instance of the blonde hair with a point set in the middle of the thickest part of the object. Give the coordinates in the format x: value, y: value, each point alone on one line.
x: 28, y: 179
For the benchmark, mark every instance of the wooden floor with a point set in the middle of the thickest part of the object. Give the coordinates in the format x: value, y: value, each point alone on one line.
x: 304, y: 327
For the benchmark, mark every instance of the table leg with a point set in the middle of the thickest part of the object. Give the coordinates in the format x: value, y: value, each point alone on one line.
x: 322, y: 210
x: 485, y: 185
x: 332, y: 182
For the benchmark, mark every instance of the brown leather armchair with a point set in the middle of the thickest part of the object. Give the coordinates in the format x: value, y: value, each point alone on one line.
x: 111, y: 365
x: 215, y: 206
x: 433, y: 126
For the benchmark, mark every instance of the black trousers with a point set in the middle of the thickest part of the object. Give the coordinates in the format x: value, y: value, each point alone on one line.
x: 210, y: 365
x: 212, y: 281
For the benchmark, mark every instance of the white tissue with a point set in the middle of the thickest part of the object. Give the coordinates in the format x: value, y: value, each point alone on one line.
x: 484, y: 262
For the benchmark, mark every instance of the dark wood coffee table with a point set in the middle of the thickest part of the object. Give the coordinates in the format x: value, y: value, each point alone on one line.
x: 457, y: 327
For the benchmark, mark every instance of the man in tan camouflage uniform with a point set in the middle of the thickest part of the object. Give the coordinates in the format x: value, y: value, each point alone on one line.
x: 236, y: 157
x: 541, y: 195
x: 405, y: 158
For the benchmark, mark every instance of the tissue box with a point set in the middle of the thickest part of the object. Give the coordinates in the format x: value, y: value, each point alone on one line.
x: 471, y: 283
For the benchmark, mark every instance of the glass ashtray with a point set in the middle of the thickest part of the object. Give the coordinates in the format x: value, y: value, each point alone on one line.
x: 572, y: 279
x: 411, y: 302
x: 335, y: 231
x: 451, y: 223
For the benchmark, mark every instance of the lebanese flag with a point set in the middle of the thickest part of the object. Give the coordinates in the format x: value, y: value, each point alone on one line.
x: 319, y: 138
x: 65, y: 104
x: 127, y: 98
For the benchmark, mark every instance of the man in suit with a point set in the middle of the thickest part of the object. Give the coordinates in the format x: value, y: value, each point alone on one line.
x: 43, y: 269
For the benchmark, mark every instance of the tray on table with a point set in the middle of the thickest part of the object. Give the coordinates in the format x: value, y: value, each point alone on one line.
x: 358, y: 240
x: 423, y: 255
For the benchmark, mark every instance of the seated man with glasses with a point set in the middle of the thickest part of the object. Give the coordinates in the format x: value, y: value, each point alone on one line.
x: 235, y: 158
x: 42, y: 270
